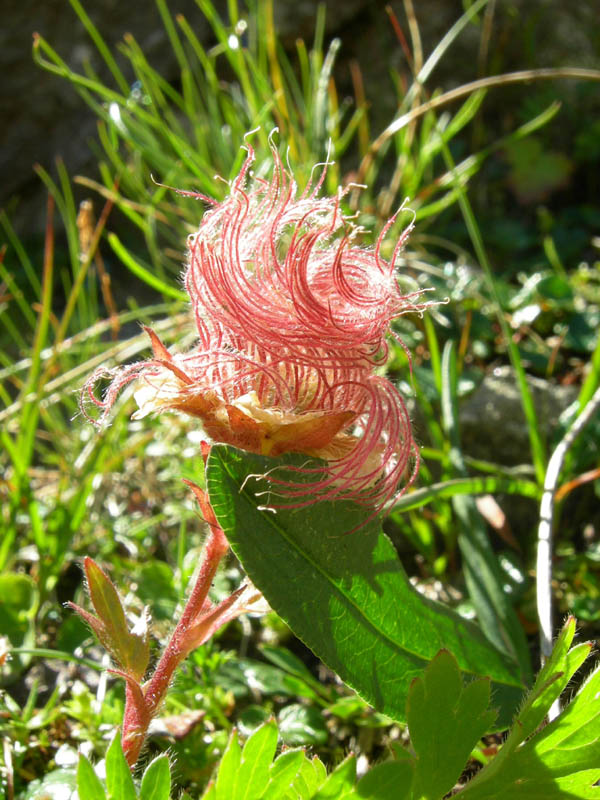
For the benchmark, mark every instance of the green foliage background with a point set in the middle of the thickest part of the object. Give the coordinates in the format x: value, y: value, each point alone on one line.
x: 523, y: 283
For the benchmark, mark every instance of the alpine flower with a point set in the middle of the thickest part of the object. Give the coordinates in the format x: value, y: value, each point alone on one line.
x: 292, y: 316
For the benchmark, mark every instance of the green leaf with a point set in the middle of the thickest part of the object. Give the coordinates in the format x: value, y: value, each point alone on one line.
x: 445, y: 721
x: 60, y: 784
x: 257, y: 756
x: 310, y: 777
x: 119, y: 782
x: 130, y: 650
x: 319, y: 768
x: 391, y: 780
x: 19, y: 600
x: 550, y: 683
x: 283, y: 772
x: 340, y: 782
x: 156, y: 781
x: 226, y: 783
x: 302, y: 725
x: 561, y: 759
x: 346, y: 596
x: 88, y: 783
x: 572, y: 741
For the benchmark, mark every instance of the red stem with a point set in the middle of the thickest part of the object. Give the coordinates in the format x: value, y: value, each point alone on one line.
x: 137, y: 718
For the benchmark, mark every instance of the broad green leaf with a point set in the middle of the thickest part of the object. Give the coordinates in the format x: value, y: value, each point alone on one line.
x: 445, y: 720
x: 391, y: 780
x: 340, y: 782
x: 346, y: 596
x: 156, y: 781
x: 88, y: 783
x: 257, y: 756
x: 119, y: 782
x: 226, y: 783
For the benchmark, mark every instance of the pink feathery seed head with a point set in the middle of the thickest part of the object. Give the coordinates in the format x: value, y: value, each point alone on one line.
x: 292, y: 316
x: 282, y: 269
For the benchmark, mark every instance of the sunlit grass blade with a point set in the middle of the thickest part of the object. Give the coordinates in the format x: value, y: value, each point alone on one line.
x: 592, y: 380
x: 441, y: 48
x: 467, y: 486
x: 101, y: 45
x: 143, y: 272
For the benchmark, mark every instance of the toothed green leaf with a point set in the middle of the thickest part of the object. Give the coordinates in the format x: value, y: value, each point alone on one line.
x: 445, y: 720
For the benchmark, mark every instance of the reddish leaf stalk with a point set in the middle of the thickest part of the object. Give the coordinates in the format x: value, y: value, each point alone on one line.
x: 139, y: 711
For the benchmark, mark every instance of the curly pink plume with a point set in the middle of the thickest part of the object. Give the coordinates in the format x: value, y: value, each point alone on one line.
x: 292, y: 317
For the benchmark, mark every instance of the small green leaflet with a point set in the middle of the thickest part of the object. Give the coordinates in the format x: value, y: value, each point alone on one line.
x: 155, y: 785
x: 562, y: 759
x: 119, y: 783
x: 156, y: 781
x: 88, y: 783
x: 249, y: 773
x: 446, y: 720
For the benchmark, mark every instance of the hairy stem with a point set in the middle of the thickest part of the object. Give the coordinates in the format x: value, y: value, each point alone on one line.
x: 138, y: 715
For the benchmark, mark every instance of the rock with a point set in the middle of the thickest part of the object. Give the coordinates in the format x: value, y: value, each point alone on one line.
x: 492, y: 421
x: 43, y: 117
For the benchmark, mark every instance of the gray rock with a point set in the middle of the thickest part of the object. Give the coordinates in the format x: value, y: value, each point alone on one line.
x: 43, y: 117
x: 492, y: 422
